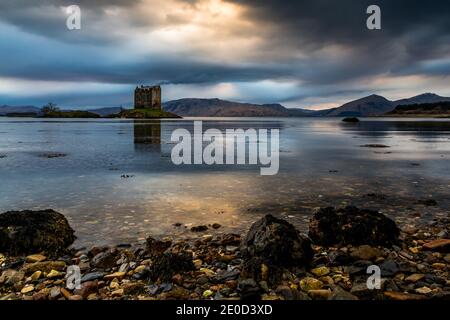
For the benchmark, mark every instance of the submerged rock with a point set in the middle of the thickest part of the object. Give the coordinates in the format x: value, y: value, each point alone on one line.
x: 350, y: 225
x: 27, y: 232
x: 351, y: 120
x: 277, y: 242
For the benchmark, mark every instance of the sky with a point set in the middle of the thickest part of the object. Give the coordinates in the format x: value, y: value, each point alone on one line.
x: 302, y: 54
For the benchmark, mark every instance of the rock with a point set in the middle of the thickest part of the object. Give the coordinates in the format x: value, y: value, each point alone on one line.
x: 439, y: 266
x: 353, y: 226
x: 388, y: 268
x: 260, y: 270
x: 374, y: 145
x: 27, y: 289
x: 76, y: 297
x: 41, y: 295
x: 277, y: 242
x: 350, y: 120
x: 249, y: 289
x: 199, y: 228
x: 414, y: 277
x: 55, y: 292
x: 117, y: 293
x: 105, y: 260
x: 92, y: 276
x: 86, y: 289
x: 427, y: 202
x: 54, y: 274
x: 423, y: 290
x: 400, y: 296
x: 339, y: 258
x: 366, y: 252
x: 177, y: 293
x: 25, y: 232
x: 207, y: 294
x: 310, y: 283
x: 169, y: 264
x: 340, y: 294
x: 36, y: 258
x: 320, y: 294
x: 157, y: 247
x: 10, y: 277
x: 46, y: 266
x: 225, y: 275
x: 320, y: 271
x: 133, y: 288
x: 447, y: 258
x: 119, y: 275
x: 216, y: 226
x: 65, y: 293
x: 36, y: 275
x: 361, y: 291
x: 286, y: 292
x: 197, y: 263
x: 440, y: 245
x: 51, y: 155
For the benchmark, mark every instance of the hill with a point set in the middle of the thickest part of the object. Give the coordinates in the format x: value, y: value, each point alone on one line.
x: 372, y: 105
x: 436, y: 109
x: 222, y: 108
x: 4, y: 110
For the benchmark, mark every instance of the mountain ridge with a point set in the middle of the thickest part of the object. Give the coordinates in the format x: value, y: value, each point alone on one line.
x: 372, y: 105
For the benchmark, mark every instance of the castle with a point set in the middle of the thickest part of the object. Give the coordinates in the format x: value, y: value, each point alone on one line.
x: 147, y: 97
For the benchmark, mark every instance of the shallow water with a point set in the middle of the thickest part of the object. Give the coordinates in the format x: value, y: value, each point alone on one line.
x: 322, y: 163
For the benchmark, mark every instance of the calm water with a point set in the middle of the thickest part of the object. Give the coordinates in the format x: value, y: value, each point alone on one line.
x: 321, y: 163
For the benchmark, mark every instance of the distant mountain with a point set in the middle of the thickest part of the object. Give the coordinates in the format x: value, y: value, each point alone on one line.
x: 422, y: 109
x: 422, y: 98
x: 103, y: 112
x: 222, y: 108
x: 4, y: 110
x: 372, y: 105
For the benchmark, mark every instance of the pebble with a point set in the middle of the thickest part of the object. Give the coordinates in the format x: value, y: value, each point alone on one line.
x: 54, y: 274
x: 207, y: 293
x: 92, y: 276
x: 36, y: 258
x: 117, y: 293
x: 423, y: 290
x: 437, y: 245
x: 320, y: 294
x: 365, y: 252
x: 414, y: 277
x: 119, y: 275
x: 27, y: 289
x: 310, y: 283
x: 36, y: 275
x: 320, y: 271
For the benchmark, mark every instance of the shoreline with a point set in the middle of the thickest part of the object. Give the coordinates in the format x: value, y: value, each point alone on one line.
x: 212, y: 267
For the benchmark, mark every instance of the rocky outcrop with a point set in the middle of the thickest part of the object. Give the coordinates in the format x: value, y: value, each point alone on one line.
x: 270, y: 246
x: 27, y: 232
x: 350, y: 225
x: 277, y: 242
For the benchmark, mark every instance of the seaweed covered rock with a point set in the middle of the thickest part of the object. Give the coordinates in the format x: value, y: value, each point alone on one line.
x: 350, y: 225
x: 168, y: 264
x: 28, y: 232
x: 276, y: 242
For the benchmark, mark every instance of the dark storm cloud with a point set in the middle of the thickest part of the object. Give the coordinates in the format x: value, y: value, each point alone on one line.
x: 411, y: 32
x: 319, y: 44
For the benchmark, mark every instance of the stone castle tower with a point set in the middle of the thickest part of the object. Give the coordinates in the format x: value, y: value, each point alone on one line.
x: 147, y: 97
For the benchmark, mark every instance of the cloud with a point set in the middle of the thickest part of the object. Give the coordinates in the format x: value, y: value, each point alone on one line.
x: 295, y: 52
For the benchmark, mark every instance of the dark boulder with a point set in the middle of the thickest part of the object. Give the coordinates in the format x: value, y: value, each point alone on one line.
x: 350, y: 225
x: 169, y: 264
x: 28, y: 232
x: 276, y: 242
x: 156, y: 247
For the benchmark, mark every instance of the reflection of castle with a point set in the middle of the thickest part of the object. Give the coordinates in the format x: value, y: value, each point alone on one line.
x: 147, y: 132
x: 147, y: 97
